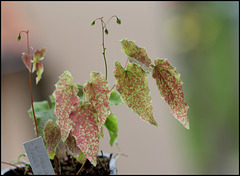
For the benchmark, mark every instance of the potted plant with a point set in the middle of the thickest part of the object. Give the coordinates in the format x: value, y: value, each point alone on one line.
x: 72, y: 125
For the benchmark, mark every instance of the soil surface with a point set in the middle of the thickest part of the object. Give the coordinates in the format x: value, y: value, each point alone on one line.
x: 71, y: 167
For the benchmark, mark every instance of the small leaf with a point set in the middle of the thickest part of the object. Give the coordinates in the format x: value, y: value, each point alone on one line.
x: 72, y: 146
x: 80, y: 92
x: 38, y: 56
x: 115, y: 98
x: 52, y: 135
x: 106, y: 31
x: 170, y: 86
x: 27, y: 61
x: 65, y: 96
x: 132, y: 84
x: 118, y: 21
x: 93, y: 22
x: 19, y: 37
x: 85, y: 129
x: 137, y: 55
x: 40, y: 69
x: 112, y: 125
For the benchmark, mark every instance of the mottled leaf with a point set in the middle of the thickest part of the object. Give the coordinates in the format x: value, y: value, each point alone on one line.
x: 115, y: 98
x: 43, y: 113
x: 38, y: 56
x: 37, y: 65
x: 170, y: 86
x: 98, y: 94
x: 132, y: 84
x: 65, y: 96
x: 137, y: 55
x: 27, y: 61
x: 112, y: 125
x: 85, y: 129
x: 72, y: 146
x: 52, y: 135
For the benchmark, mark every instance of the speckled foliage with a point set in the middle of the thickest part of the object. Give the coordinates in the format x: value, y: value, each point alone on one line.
x: 132, y: 84
x: 170, y: 86
x: 86, y: 129
x: 98, y: 94
x: 136, y: 54
x: 52, y: 135
x: 65, y: 96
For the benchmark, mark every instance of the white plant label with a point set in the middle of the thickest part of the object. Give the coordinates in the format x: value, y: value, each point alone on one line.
x: 38, y: 157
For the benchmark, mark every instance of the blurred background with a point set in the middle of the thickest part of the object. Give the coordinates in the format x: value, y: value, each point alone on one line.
x: 201, y: 39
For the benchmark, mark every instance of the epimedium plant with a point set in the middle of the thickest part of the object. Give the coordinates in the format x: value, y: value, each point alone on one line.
x: 78, y: 113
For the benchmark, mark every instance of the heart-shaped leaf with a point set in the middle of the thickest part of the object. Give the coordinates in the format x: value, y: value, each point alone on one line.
x: 65, y: 96
x: 52, y: 135
x: 85, y: 129
x: 98, y: 94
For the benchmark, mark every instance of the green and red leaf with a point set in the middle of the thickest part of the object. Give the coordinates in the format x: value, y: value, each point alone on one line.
x: 98, y: 94
x: 37, y: 65
x: 170, y: 86
x: 85, y: 129
x: 27, y: 61
x: 52, y: 135
x: 132, y: 84
x: 65, y: 96
x: 72, y: 146
x: 40, y: 69
x: 136, y: 55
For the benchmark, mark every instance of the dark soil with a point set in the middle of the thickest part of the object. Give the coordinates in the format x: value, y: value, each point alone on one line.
x: 71, y: 166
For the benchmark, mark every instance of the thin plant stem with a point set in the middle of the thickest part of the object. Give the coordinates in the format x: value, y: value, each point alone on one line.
x: 104, y: 54
x: 30, y: 82
x: 11, y: 164
x: 81, y: 167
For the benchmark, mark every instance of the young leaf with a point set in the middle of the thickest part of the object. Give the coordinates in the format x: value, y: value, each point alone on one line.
x: 136, y: 55
x: 19, y: 37
x: 52, y: 135
x: 27, y: 61
x: 118, y: 21
x: 106, y: 31
x: 37, y: 65
x: 92, y: 23
x: 115, y: 98
x: 72, y: 146
x: 43, y: 113
x: 85, y: 129
x: 132, y: 84
x: 98, y: 94
x: 170, y: 86
x: 40, y: 69
x: 65, y: 96
x: 112, y: 125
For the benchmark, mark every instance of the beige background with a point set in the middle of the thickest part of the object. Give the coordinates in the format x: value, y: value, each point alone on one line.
x: 73, y: 44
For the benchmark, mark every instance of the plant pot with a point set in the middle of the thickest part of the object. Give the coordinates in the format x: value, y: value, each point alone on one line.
x: 112, y: 167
